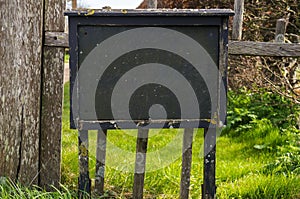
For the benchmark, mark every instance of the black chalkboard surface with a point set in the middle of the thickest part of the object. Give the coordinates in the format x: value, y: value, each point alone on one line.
x: 139, y: 68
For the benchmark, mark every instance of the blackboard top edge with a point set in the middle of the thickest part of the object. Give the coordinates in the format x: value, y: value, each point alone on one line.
x: 148, y: 12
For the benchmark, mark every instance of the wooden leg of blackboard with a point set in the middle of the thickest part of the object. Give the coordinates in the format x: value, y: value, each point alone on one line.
x: 100, y: 162
x: 84, y: 182
x: 209, y: 186
x: 186, y: 163
x: 140, y: 163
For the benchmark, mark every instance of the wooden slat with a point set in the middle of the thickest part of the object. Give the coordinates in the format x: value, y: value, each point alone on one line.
x: 100, y: 162
x: 56, y: 39
x: 74, y: 4
x: 84, y: 182
x: 238, y: 20
x: 235, y: 47
x: 280, y: 30
x: 51, y: 120
x: 140, y: 163
x: 186, y: 163
x: 264, y: 49
x: 209, y: 183
x: 152, y: 4
x: 52, y: 94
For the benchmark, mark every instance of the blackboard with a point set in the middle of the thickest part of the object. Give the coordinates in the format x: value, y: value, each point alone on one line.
x: 140, y: 70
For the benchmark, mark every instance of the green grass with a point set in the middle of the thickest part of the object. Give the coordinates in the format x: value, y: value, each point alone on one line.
x: 67, y: 58
x: 241, y: 162
x: 241, y: 169
x: 10, y: 190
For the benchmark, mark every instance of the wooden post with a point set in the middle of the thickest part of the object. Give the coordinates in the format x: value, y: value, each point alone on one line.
x: 209, y: 185
x: 280, y: 30
x: 20, y: 90
x: 186, y: 163
x: 100, y: 162
x: 52, y: 94
x: 140, y: 163
x: 152, y: 4
x: 74, y: 4
x: 238, y: 20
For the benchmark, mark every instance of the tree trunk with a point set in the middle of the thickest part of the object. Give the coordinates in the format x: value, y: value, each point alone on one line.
x: 20, y: 79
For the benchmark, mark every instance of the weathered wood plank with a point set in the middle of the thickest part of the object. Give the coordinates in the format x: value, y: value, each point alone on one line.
x: 264, y: 49
x: 140, y: 163
x: 238, y: 20
x: 100, y: 162
x: 186, y: 163
x: 74, y: 4
x: 280, y: 30
x: 152, y: 4
x: 51, y: 116
x: 56, y: 39
x: 54, y: 15
x: 235, y: 47
x: 52, y: 94
x: 20, y: 66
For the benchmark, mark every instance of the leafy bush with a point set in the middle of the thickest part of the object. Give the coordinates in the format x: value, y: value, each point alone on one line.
x: 246, y: 109
x: 270, y: 121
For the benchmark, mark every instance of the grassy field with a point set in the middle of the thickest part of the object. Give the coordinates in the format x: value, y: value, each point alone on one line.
x: 242, y: 161
x: 248, y: 161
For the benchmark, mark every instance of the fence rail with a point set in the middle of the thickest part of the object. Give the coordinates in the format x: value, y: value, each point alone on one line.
x: 264, y: 49
x: 59, y: 39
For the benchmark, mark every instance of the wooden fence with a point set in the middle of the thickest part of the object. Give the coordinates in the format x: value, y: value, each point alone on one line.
x: 31, y: 91
x: 31, y: 79
x: 58, y: 39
